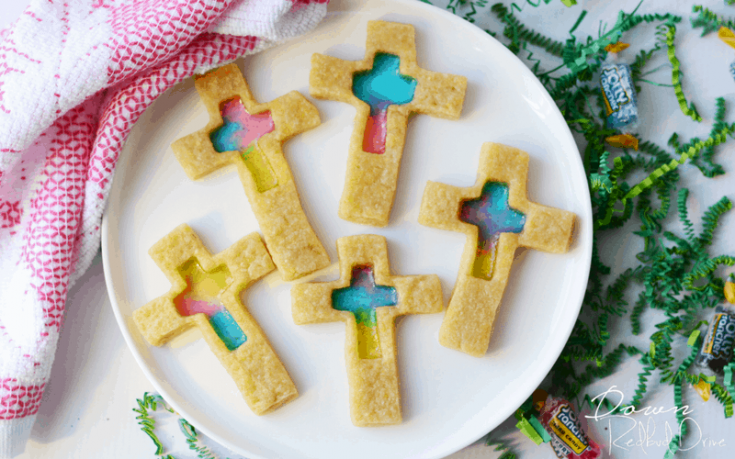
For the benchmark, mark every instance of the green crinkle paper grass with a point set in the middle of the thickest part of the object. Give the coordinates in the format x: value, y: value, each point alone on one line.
x: 675, y: 273
x: 149, y: 404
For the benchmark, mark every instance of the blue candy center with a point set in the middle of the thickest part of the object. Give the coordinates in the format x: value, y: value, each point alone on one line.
x: 383, y: 85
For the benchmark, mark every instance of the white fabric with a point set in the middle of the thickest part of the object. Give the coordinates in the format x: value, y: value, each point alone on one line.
x: 74, y: 78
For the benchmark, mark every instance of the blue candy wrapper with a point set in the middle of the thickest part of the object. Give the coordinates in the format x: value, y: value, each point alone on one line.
x: 619, y: 96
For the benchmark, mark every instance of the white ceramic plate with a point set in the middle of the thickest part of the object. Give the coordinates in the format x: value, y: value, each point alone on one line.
x: 449, y: 399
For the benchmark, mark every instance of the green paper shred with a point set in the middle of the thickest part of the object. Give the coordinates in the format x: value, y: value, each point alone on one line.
x: 518, y: 33
x: 688, y: 110
x: 507, y: 452
x: 693, y: 338
x: 529, y: 431
x: 463, y: 4
x: 687, y: 152
x: 722, y: 396
x: 147, y: 423
x: 729, y: 369
x: 539, y: 429
x: 643, y: 376
x: 192, y: 439
x: 678, y: 403
x: 709, y: 21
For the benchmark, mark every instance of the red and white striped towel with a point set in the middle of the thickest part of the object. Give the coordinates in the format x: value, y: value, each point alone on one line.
x: 74, y: 77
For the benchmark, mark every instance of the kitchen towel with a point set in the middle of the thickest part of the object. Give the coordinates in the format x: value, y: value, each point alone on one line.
x: 74, y: 78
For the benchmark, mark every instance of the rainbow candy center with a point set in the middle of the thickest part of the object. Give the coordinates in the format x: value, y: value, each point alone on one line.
x: 381, y: 87
x: 362, y: 298
x: 240, y: 131
x: 202, y: 296
x: 492, y: 215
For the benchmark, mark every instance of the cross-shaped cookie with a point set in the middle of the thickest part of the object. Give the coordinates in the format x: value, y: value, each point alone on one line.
x: 205, y: 293
x: 367, y: 298
x: 497, y: 217
x: 385, y: 87
x: 249, y: 134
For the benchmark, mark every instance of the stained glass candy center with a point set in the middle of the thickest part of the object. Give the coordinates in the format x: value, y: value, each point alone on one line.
x: 202, y: 296
x: 381, y: 87
x: 492, y: 215
x: 240, y: 131
x: 362, y: 298
x: 239, y: 128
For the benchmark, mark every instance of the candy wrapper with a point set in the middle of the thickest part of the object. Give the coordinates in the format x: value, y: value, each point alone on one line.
x: 717, y: 347
x: 718, y: 343
x: 619, y: 96
x: 568, y: 438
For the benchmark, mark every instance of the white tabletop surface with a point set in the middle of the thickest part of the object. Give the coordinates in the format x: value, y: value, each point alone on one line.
x: 86, y: 408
